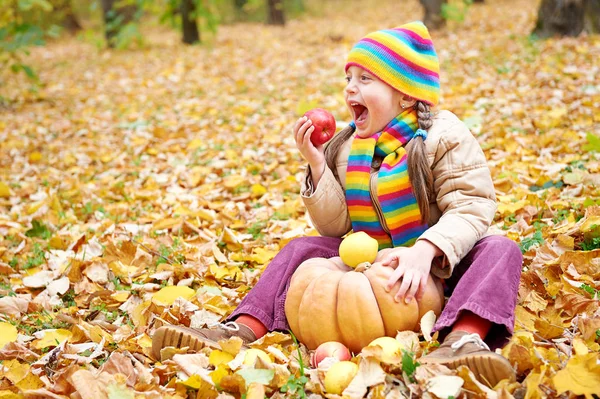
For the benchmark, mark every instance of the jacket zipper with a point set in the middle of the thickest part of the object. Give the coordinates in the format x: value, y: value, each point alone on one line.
x: 376, y: 203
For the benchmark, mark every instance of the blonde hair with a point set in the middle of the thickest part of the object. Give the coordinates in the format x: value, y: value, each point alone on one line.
x: 419, y: 172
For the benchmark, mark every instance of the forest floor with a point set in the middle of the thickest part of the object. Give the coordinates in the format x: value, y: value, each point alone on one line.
x: 128, y: 172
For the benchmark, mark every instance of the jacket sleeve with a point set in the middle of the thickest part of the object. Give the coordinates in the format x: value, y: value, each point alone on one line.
x: 326, y: 204
x: 464, y: 194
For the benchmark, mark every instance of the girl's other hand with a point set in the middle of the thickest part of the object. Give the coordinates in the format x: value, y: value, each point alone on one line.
x: 315, y: 156
x: 412, y: 265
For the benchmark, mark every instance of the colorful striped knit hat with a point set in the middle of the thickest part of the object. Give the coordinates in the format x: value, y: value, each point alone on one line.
x: 402, y: 57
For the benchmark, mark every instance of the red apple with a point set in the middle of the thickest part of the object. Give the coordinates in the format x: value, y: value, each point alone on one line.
x: 330, y: 349
x: 324, y: 124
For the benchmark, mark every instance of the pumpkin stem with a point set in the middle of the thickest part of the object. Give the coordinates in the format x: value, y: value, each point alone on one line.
x: 361, y: 267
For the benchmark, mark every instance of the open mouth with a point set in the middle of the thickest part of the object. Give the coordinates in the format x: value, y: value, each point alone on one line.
x: 360, y: 112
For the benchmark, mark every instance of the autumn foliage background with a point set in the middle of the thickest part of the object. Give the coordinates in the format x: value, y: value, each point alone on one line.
x: 126, y: 173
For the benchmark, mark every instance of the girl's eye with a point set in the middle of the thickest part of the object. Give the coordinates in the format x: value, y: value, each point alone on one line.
x: 365, y: 77
x: 348, y: 79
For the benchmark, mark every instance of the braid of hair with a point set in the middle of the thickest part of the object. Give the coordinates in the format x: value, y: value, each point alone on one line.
x: 424, y: 115
x: 419, y: 172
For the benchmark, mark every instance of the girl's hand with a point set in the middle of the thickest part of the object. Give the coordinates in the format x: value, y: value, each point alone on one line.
x: 412, y: 265
x: 315, y: 156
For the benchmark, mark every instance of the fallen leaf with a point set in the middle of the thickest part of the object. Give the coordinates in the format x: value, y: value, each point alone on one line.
x: 167, y: 295
x: 581, y: 376
x: 8, y: 333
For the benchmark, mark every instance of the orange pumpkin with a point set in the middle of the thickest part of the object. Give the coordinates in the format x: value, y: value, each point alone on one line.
x: 329, y: 301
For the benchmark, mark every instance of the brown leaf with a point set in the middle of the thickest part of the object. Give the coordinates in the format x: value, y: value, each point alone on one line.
x: 90, y: 386
x: 575, y: 304
x: 117, y: 363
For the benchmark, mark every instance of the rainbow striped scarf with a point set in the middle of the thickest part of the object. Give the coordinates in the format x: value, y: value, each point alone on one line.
x: 394, y: 191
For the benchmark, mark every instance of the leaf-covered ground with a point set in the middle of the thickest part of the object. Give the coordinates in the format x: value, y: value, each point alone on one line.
x: 131, y: 171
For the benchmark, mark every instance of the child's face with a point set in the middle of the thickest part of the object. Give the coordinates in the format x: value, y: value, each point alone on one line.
x: 372, y: 103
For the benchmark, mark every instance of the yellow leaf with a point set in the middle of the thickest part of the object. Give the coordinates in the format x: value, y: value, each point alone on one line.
x: 120, y: 296
x: 225, y: 273
x: 168, y: 295
x: 581, y: 376
x: 138, y: 315
x: 35, y: 156
x: 304, y: 106
x: 217, y: 375
x: 151, y: 151
x: 204, y: 214
x: 194, y: 382
x: 8, y: 333
x: 591, y: 225
x: 194, y: 144
x: 9, y: 395
x: 16, y: 370
x: 218, y: 357
x: 255, y: 391
x: 165, y: 223
x: 4, y: 190
x: 262, y: 256
x: 258, y: 189
x: 580, y: 347
x: 219, y: 256
x: 31, y: 381
x: 233, y: 181
x: 506, y: 208
x: 52, y: 337
x: 144, y: 341
x: 34, y: 207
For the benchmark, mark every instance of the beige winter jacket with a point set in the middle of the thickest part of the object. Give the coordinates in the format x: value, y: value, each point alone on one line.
x: 464, y: 205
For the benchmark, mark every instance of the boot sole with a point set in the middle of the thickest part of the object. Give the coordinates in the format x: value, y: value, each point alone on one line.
x: 179, y: 337
x: 487, y: 368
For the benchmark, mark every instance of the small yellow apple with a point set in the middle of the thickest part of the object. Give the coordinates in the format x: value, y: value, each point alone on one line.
x: 252, y: 354
x: 391, y: 349
x: 358, y: 248
x: 339, y: 375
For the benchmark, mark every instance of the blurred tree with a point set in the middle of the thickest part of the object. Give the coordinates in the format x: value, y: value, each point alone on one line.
x: 118, y: 18
x: 69, y: 20
x: 275, y: 12
x: 240, y: 11
x: 433, y: 18
x: 239, y: 4
x: 188, y: 22
x: 21, y: 27
x: 567, y: 17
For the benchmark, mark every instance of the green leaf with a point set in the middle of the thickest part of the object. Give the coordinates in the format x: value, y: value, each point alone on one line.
x: 529, y: 242
x: 593, y: 143
x: 29, y: 72
x: 38, y: 229
x: 409, y: 364
x: 261, y: 376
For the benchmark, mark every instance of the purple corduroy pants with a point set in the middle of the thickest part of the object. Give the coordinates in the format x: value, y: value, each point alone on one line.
x: 485, y: 282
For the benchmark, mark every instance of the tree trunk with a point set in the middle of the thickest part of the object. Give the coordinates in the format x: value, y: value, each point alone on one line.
x: 115, y: 18
x: 276, y: 16
x: 433, y: 13
x: 239, y: 4
x: 188, y: 22
x: 69, y: 21
x: 567, y: 17
x: 591, y: 21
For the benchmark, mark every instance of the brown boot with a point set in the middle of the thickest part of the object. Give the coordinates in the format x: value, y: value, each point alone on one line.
x: 197, y: 338
x: 463, y: 349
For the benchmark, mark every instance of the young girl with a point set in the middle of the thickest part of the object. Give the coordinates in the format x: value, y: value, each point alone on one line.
x: 417, y: 182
